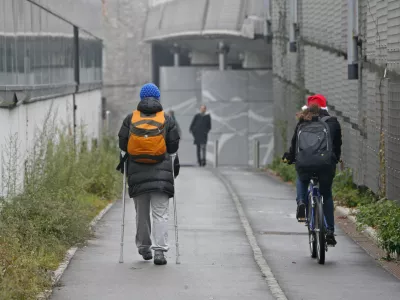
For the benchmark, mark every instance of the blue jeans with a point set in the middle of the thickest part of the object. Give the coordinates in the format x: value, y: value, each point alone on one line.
x: 325, y: 188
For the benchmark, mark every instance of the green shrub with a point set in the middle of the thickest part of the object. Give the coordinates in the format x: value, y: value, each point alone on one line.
x: 384, y: 216
x: 346, y: 193
x: 63, y: 190
x: 285, y: 171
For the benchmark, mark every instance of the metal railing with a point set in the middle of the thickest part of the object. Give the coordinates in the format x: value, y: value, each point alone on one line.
x: 256, y: 153
x: 216, y: 149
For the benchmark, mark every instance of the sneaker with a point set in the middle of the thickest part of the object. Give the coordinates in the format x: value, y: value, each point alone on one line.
x: 146, y: 254
x: 159, y: 258
x: 330, y: 238
x: 301, y: 212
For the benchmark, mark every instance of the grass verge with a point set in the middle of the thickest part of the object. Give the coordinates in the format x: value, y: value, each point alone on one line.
x: 65, y: 186
x: 381, y: 214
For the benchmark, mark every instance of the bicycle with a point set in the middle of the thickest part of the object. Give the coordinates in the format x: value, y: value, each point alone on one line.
x: 316, y: 222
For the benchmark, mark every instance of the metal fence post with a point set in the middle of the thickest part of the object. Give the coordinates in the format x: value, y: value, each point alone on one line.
x: 256, y: 160
x: 216, y: 154
x: 108, y: 122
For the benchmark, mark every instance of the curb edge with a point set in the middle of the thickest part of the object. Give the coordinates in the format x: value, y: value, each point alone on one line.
x: 272, y: 283
x: 369, y: 231
x: 57, y: 274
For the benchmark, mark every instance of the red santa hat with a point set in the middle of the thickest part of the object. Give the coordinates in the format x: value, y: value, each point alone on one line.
x: 318, y: 99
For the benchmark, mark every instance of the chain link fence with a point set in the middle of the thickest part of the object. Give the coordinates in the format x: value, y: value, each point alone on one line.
x: 368, y: 108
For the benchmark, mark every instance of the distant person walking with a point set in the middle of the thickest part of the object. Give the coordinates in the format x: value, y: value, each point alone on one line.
x: 199, y: 128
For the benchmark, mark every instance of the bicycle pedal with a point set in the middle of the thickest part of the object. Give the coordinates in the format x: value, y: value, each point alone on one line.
x: 302, y: 220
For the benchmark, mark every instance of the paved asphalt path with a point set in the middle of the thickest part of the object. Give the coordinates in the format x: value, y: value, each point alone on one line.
x: 348, y: 273
x: 217, y: 259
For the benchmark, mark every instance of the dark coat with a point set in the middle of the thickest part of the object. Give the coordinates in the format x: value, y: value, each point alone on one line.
x: 178, y: 128
x: 146, y: 178
x: 336, y: 133
x: 200, y: 127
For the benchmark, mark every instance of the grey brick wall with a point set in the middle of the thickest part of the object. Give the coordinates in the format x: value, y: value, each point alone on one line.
x: 367, y: 108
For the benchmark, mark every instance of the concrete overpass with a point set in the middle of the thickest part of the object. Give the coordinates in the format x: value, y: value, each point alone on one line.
x: 220, y: 52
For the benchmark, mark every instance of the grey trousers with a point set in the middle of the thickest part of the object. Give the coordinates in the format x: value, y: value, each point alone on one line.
x: 158, y: 202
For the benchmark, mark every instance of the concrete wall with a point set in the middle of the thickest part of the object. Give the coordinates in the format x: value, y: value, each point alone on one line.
x: 240, y: 104
x: 127, y: 61
x: 26, y: 120
x: 88, y: 113
x: 181, y: 92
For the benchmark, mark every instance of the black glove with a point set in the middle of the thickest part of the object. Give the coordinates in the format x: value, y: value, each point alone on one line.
x: 177, y: 166
x: 122, y: 160
x: 287, y: 158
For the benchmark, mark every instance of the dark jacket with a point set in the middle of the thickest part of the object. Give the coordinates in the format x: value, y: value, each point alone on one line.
x: 146, y: 178
x: 200, y: 127
x: 178, y: 128
x: 336, y: 133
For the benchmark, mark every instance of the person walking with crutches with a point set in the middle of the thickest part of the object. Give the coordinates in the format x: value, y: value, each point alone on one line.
x: 151, y: 140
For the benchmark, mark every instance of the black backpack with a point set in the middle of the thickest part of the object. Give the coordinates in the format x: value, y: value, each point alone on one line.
x: 314, y: 146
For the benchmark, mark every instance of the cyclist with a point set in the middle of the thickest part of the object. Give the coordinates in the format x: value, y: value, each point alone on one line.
x: 315, y: 110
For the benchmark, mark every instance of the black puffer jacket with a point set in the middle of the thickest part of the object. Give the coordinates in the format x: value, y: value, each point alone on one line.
x: 146, y: 178
x: 336, y: 133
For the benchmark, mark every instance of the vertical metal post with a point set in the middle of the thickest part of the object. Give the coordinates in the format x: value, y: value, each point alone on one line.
x: 256, y: 160
x: 222, y: 61
x: 176, y: 59
x: 74, y: 122
x: 108, y: 122
x: 222, y: 55
x: 76, y: 78
x: 176, y: 53
x: 76, y: 58
x: 216, y: 154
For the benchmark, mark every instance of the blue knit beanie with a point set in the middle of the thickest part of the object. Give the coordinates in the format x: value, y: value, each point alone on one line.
x: 149, y: 90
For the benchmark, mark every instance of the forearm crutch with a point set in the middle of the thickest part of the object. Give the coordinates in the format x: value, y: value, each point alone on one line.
x: 175, y: 212
x: 121, y: 253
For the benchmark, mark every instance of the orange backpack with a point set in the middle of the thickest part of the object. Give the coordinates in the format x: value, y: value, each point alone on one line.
x: 146, y: 143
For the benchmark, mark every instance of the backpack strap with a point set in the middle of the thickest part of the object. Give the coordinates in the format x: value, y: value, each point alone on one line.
x: 324, y: 119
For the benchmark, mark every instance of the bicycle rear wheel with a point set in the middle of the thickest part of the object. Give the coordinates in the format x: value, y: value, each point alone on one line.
x: 312, y: 240
x: 320, y: 233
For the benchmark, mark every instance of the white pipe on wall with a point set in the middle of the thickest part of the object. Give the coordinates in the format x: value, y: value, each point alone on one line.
x: 293, y: 26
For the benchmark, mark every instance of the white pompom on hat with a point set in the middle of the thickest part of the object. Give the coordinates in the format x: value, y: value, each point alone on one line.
x: 318, y: 99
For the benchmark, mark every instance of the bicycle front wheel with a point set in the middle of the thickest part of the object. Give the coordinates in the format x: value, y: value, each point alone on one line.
x: 312, y: 240
x: 320, y: 232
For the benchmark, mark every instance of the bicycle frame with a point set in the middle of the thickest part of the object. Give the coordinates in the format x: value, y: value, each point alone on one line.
x: 313, y: 190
